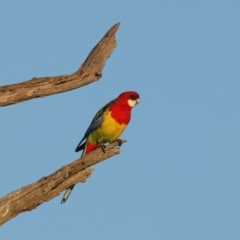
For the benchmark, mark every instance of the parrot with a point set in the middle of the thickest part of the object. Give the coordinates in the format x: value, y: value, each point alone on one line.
x: 107, y: 126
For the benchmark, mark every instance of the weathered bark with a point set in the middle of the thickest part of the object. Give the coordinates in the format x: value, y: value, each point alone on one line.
x: 90, y: 71
x: 29, y: 197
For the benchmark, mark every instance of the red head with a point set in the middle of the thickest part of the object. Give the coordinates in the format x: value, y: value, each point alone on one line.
x: 121, y: 109
x: 129, y: 98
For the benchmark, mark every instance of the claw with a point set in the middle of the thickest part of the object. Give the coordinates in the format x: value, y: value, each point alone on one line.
x: 103, y: 147
x: 119, y: 141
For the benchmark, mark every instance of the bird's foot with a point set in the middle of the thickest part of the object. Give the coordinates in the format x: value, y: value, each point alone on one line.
x: 119, y: 141
x: 102, y: 146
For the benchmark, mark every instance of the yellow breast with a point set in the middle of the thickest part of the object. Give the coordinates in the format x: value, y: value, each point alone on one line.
x: 109, y: 130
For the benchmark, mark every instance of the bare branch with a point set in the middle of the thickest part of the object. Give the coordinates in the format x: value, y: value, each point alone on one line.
x: 31, y: 196
x: 90, y: 71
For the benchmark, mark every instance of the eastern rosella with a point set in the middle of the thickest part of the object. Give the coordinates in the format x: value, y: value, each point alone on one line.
x: 107, y: 126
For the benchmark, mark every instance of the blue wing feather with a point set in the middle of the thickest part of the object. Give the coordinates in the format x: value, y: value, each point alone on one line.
x: 96, y: 123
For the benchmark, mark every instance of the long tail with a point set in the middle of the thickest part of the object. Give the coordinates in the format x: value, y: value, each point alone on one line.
x: 89, y: 147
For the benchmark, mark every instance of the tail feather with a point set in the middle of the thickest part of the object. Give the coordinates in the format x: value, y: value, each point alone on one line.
x: 67, y: 194
x: 80, y: 147
x: 87, y: 147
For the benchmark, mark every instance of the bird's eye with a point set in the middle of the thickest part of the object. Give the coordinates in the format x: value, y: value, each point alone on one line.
x: 132, y: 97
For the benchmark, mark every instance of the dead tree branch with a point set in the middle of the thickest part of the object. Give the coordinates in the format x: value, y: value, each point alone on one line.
x: 31, y: 196
x: 90, y: 71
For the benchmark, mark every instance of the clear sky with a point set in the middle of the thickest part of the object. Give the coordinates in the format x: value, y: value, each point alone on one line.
x: 177, y: 177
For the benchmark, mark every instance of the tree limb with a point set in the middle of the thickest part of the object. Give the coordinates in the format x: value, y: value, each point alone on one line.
x: 89, y: 71
x: 31, y: 196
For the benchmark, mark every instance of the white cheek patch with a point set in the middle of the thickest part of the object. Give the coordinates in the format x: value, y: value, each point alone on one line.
x: 132, y: 103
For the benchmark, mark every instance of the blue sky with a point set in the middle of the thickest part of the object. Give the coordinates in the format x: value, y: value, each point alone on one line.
x: 177, y: 177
